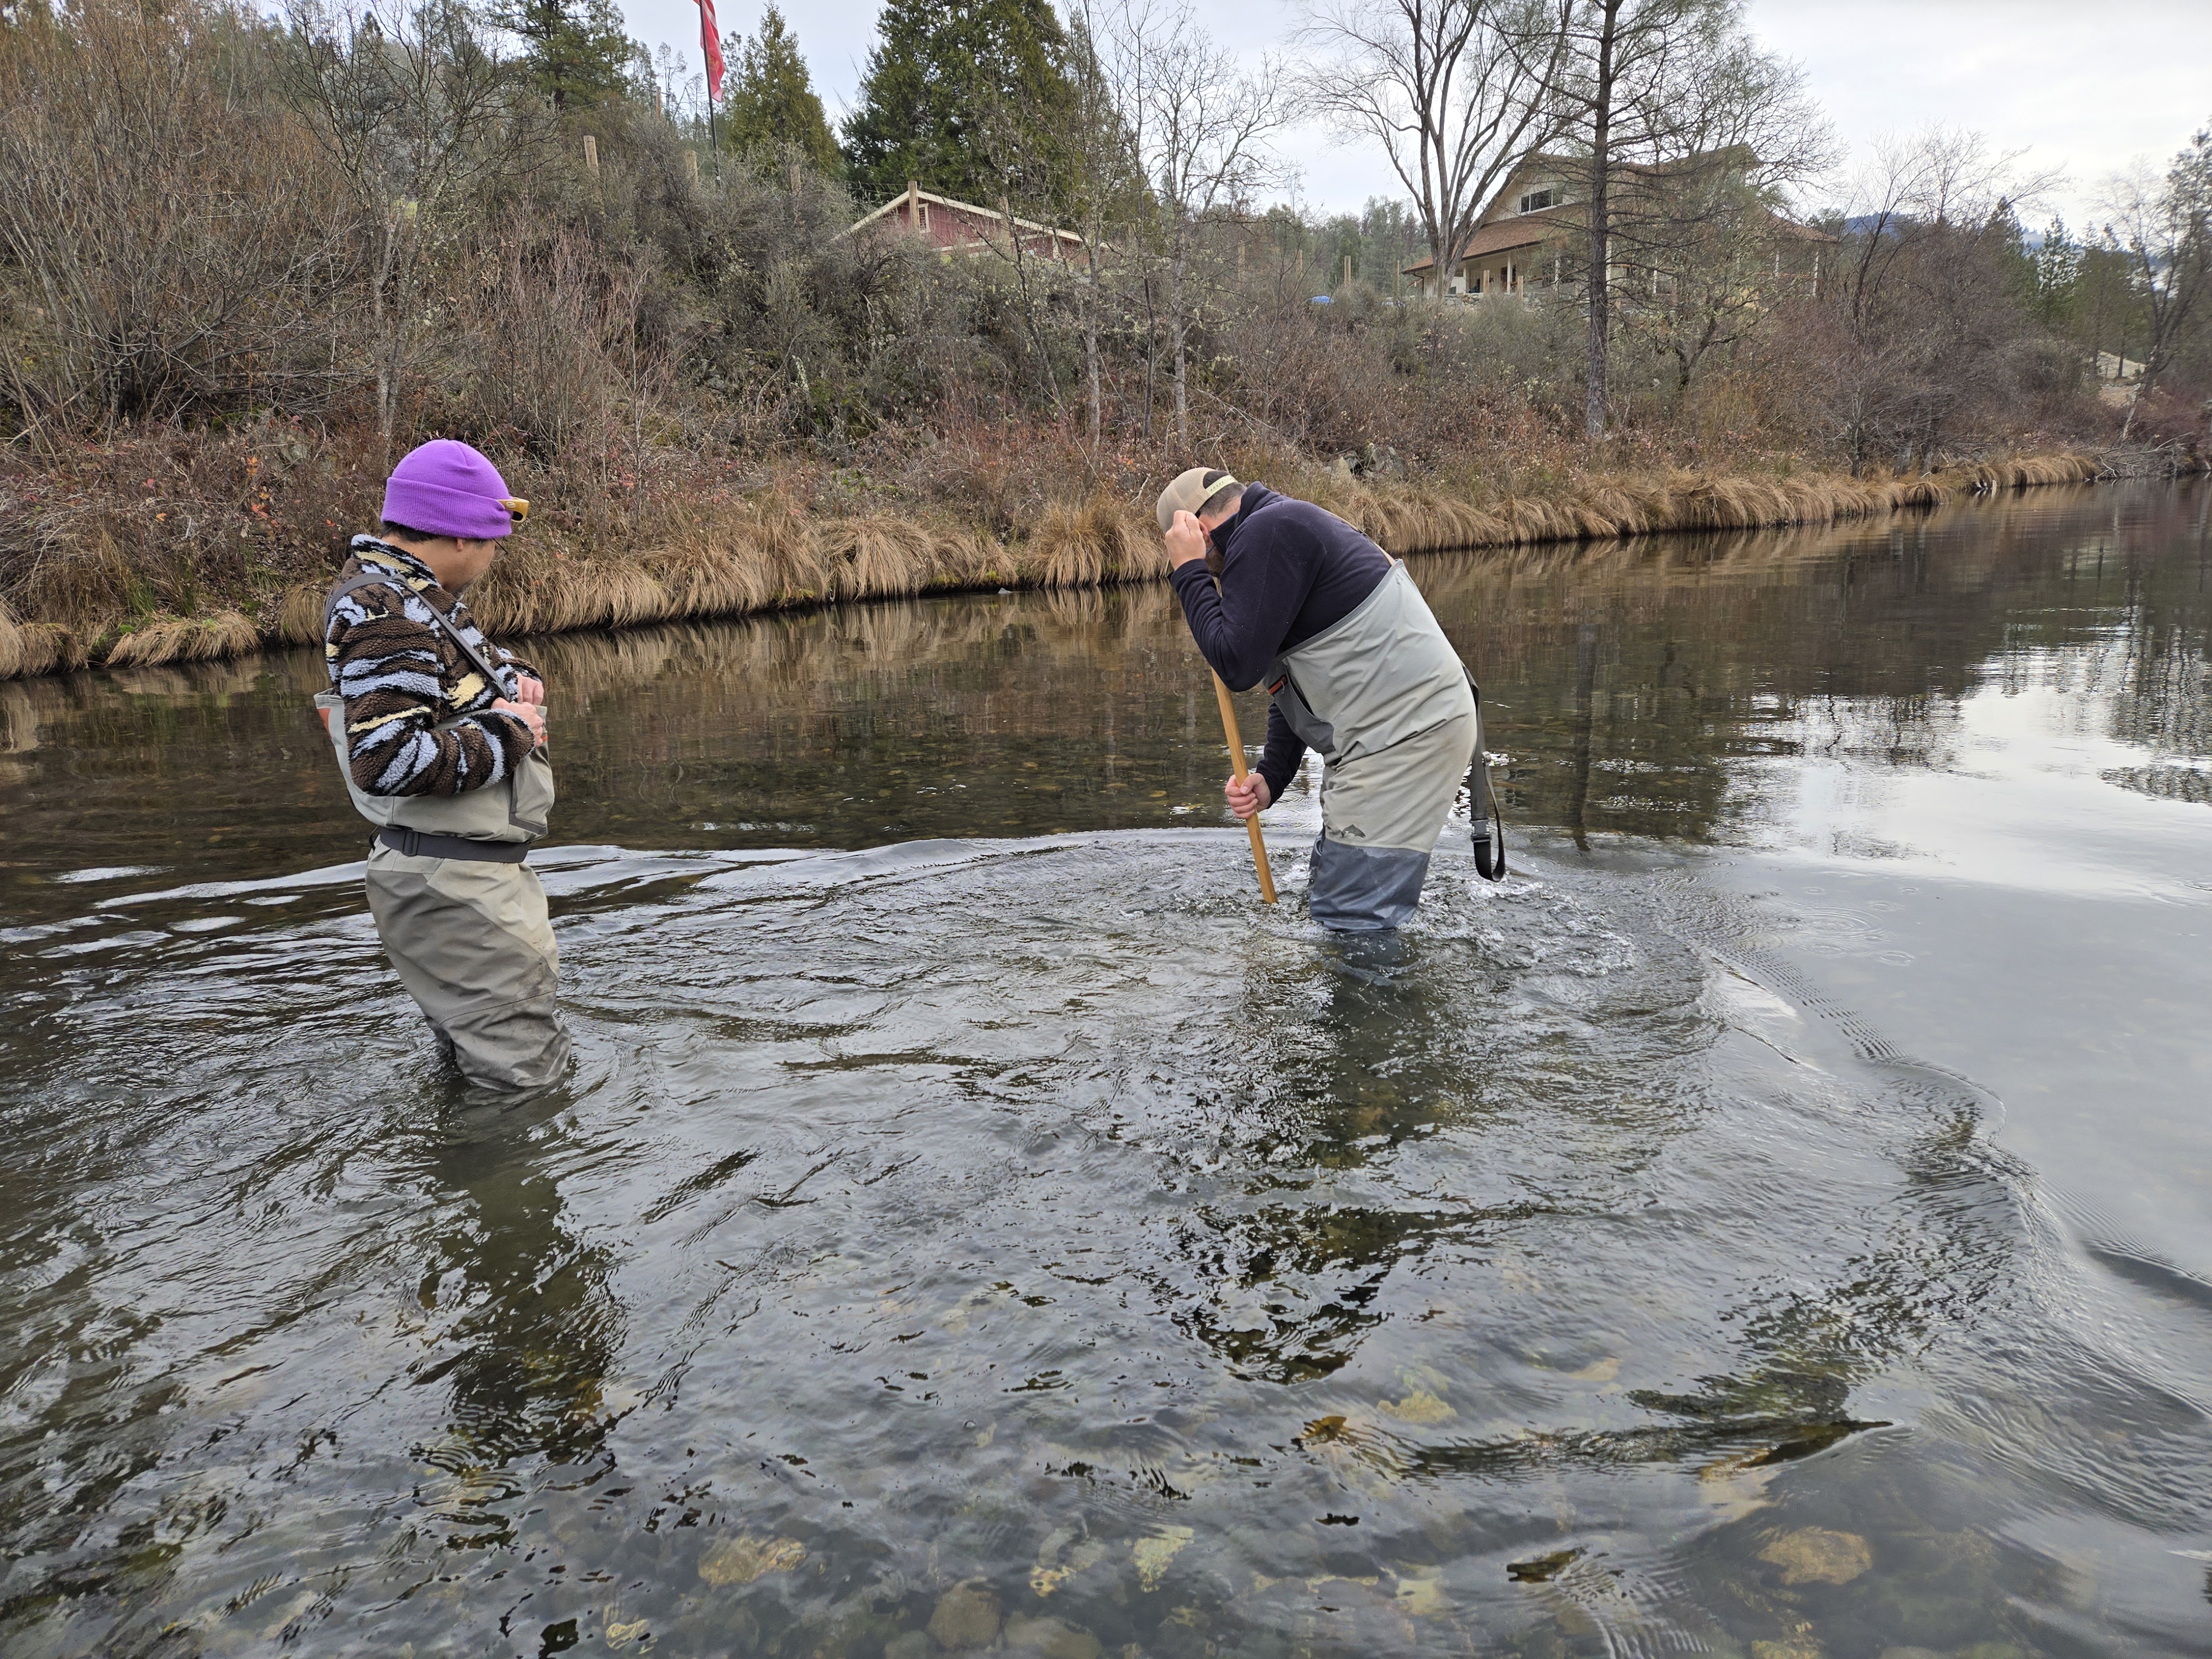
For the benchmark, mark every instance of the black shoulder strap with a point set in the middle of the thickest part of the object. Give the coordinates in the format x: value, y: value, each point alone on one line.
x: 1482, y: 801
x: 354, y: 583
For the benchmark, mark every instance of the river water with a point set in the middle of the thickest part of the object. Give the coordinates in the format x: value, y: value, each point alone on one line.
x: 1775, y: 1222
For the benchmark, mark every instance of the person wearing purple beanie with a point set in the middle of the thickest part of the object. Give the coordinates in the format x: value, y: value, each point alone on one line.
x: 441, y: 736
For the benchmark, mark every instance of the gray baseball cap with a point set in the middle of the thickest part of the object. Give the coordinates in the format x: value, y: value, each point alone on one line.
x: 1191, y: 491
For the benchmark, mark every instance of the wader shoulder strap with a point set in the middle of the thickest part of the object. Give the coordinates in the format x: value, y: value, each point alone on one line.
x: 354, y: 583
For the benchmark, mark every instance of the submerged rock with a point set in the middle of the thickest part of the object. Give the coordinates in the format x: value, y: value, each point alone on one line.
x: 965, y: 1617
x: 741, y: 1561
x: 1051, y: 1638
x: 1154, y: 1554
x: 1817, y: 1556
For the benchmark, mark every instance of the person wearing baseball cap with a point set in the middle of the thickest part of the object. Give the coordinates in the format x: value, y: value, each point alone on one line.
x: 441, y: 738
x: 1281, y: 591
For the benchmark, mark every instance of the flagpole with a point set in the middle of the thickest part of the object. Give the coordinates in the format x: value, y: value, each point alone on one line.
x: 711, y: 49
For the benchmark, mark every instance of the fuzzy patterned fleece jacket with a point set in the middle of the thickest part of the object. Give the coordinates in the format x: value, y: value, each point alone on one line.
x: 401, y: 673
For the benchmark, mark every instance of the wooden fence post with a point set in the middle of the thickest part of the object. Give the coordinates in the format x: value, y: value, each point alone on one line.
x: 591, y: 155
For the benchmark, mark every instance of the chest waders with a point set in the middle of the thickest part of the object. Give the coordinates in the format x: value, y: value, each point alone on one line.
x: 1387, y: 703
x: 462, y: 917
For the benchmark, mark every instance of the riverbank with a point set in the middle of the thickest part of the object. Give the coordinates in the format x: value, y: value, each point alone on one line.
x: 697, y: 558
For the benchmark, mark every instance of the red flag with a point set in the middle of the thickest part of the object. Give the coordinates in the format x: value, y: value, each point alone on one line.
x: 709, y: 38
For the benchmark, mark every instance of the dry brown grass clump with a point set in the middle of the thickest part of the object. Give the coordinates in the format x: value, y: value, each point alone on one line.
x: 1094, y: 543
x: 299, y: 612
x: 29, y: 649
x: 539, y: 586
x: 185, y: 639
x: 877, y: 556
x: 737, y: 556
x: 50, y: 649
x: 973, y: 558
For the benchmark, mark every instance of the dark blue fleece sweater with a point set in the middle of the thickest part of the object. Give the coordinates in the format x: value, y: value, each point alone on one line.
x: 1289, y: 570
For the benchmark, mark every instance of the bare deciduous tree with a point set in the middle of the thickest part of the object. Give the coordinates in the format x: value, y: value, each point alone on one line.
x: 1923, y: 325
x: 1110, y: 188
x: 1706, y: 233
x: 1649, y: 84
x: 415, y: 108
x: 2164, y: 228
x: 1199, y: 126
x: 1457, y: 93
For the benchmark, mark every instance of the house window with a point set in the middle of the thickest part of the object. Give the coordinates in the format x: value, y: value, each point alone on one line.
x: 1535, y: 201
x: 924, y: 208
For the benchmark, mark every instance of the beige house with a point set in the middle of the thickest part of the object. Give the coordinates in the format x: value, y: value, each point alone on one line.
x: 1529, y: 235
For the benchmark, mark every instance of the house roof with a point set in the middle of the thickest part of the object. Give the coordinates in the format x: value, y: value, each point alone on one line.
x: 1804, y: 233
x: 1529, y: 229
x: 993, y: 215
x: 1502, y: 236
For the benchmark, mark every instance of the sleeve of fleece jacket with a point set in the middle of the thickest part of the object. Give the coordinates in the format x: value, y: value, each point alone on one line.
x: 1264, y: 583
x: 386, y: 664
x: 1280, y: 759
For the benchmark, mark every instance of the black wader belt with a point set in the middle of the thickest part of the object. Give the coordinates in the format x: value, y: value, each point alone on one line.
x: 416, y: 845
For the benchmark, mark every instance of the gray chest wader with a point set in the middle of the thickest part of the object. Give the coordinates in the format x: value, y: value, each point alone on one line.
x: 1391, y: 709
x: 495, y: 825
x: 462, y: 917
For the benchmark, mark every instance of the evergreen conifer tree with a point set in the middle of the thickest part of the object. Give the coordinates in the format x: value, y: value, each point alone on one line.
x: 771, y: 102
x: 578, y: 53
x: 961, y: 95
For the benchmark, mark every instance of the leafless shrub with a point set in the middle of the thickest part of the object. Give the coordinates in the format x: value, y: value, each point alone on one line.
x: 181, y: 251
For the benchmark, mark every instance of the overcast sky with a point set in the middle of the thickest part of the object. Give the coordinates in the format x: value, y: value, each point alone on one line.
x: 2082, y: 89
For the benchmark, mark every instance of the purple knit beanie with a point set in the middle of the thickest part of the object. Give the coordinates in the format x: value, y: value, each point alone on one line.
x: 445, y: 488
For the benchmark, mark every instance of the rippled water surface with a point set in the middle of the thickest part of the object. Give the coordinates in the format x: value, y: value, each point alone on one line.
x: 1776, y: 1222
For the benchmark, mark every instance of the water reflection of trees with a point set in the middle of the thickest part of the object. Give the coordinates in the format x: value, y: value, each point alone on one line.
x: 1631, y: 683
x: 888, y: 722
x: 1634, y: 685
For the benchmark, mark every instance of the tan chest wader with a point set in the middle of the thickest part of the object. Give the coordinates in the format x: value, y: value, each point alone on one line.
x: 495, y: 825
x: 1387, y: 703
x: 462, y: 917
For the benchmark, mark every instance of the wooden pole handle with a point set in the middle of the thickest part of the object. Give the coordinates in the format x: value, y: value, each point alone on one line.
x: 1237, y: 762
